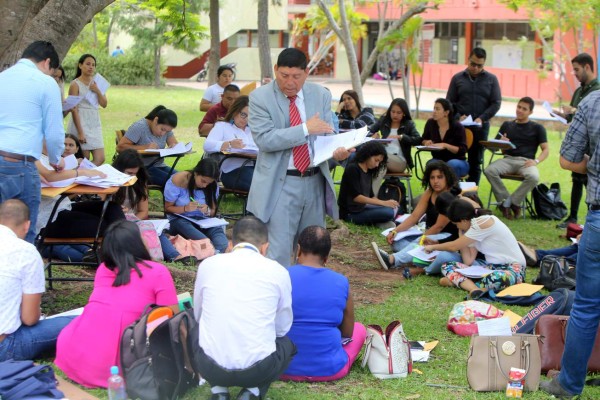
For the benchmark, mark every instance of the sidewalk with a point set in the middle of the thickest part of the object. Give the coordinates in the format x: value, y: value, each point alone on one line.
x: 377, y: 95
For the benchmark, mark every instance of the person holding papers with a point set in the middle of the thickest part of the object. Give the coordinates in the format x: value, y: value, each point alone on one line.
x: 357, y: 202
x: 155, y: 131
x: 490, y: 236
x: 191, y: 196
x: 444, y: 133
x: 85, y: 85
x: 350, y: 113
x: 437, y: 178
x: 233, y: 134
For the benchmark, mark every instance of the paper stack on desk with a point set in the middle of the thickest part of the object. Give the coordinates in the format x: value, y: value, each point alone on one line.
x: 113, y: 178
x: 179, y: 148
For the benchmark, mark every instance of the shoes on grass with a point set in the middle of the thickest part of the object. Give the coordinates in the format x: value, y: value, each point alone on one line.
x: 553, y: 387
x: 382, y: 256
x: 563, y: 225
x: 530, y: 255
x: 505, y: 212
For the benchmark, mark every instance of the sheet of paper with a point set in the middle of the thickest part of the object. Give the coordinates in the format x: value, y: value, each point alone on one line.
x: 474, y: 271
x: 86, y: 164
x: 467, y: 185
x: 179, y: 148
x: 113, y: 177
x: 70, y: 162
x: 402, y: 218
x: 557, y: 117
x: 430, y: 345
x: 102, y: 84
x: 494, y: 327
x: 421, y: 254
x: 419, y: 355
x: 469, y: 122
x: 246, y: 150
x: 512, y: 317
x: 324, y: 146
x: 400, y: 235
x: 574, y: 240
x: 59, y: 184
x: 159, y: 225
x: 70, y: 313
x: 520, y: 289
x: 429, y: 148
x: 211, y: 222
x: 70, y: 102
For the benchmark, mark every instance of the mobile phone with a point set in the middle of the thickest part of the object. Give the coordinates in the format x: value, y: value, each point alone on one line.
x: 416, y: 345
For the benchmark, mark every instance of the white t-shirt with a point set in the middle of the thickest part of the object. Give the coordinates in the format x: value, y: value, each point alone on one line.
x: 213, y: 93
x: 21, y: 272
x: 243, y: 302
x: 497, y: 242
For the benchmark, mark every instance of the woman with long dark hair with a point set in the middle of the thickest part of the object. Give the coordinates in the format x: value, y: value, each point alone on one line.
x: 125, y: 283
x: 154, y: 131
x: 84, y: 85
x: 357, y: 201
x: 396, y: 123
x: 351, y: 114
x: 484, y: 233
x: 194, y: 194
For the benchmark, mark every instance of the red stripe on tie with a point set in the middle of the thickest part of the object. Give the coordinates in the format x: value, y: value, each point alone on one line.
x: 300, y: 153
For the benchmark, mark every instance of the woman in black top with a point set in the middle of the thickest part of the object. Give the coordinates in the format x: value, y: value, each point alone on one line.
x: 397, y: 123
x: 443, y: 132
x: 357, y: 202
x: 351, y: 114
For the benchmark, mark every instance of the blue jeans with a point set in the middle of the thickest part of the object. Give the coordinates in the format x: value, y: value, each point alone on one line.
x: 371, y: 215
x: 189, y: 230
x: 20, y: 180
x: 30, y: 342
x: 569, y: 252
x: 460, y: 167
x: 435, y: 268
x: 169, y: 251
x: 585, y: 315
x: 66, y: 252
x: 159, y: 175
x: 238, y: 179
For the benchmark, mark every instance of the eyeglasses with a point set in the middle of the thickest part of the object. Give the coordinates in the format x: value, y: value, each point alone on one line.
x: 243, y: 115
x: 475, y: 65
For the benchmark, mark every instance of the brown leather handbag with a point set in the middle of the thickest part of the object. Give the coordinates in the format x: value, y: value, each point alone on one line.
x: 552, y: 330
x: 492, y: 357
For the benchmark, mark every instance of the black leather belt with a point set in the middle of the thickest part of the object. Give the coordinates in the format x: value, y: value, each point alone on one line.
x: 309, y: 172
x: 19, y: 157
x: 594, y: 207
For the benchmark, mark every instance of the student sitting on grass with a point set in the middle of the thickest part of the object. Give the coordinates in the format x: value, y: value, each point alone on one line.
x: 125, y: 283
x: 485, y: 233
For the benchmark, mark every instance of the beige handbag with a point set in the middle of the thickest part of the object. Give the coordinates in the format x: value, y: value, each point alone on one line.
x: 387, y: 355
x: 492, y: 357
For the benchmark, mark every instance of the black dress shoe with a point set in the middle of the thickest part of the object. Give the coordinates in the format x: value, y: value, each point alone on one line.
x: 245, y: 394
x: 220, y: 396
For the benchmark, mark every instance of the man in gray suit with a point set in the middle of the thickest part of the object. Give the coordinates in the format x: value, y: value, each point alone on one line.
x: 288, y: 191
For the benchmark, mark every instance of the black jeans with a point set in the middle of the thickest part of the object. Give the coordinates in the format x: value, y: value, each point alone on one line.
x: 579, y: 181
x: 261, y: 374
x: 475, y: 153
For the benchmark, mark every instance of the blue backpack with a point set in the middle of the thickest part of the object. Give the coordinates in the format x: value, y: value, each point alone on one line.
x: 20, y: 379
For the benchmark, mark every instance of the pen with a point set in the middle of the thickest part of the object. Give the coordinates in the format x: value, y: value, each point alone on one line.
x: 192, y: 199
x: 422, y: 240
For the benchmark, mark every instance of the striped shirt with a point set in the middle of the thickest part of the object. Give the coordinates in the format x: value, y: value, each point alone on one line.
x: 583, y: 138
x: 31, y: 112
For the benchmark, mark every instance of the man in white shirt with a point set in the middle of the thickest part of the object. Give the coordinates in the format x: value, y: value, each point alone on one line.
x: 243, y: 303
x: 22, y: 335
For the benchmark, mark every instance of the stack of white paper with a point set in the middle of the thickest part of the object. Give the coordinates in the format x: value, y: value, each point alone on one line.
x: 179, y: 148
x: 113, y: 178
x: 557, y: 117
x: 159, y: 225
x: 469, y: 122
x: 70, y: 102
x: 324, y: 146
x: 102, y: 84
x: 400, y: 235
x: 474, y: 271
x: 70, y: 162
x: 421, y: 254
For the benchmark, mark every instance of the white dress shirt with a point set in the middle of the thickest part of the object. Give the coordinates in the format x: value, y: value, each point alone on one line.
x: 224, y: 131
x: 243, y: 301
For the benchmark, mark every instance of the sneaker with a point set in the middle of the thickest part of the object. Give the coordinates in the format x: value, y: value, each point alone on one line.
x: 530, y: 255
x: 563, y: 225
x: 382, y: 256
x: 553, y: 387
x: 190, y: 261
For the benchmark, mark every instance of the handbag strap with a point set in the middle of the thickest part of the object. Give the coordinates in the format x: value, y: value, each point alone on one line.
x: 494, y: 346
x: 368, y: 345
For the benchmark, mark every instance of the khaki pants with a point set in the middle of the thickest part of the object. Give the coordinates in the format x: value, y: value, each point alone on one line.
x: 511, y: 165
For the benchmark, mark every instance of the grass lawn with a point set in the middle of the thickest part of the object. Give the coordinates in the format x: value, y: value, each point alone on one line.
x: 421, y: 304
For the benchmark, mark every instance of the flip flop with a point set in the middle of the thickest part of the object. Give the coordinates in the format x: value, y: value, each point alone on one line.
x: 476, y: 294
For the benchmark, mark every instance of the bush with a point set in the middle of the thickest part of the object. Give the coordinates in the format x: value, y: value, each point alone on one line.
x: 128, y: 69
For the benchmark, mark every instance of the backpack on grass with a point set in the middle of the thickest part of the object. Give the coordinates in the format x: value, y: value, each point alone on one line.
x: 556, y: 272
x: 547, y: 202
x: 20, y: 379
x: 393, y: 189
x: 156, y: 354
x: 387, y: 353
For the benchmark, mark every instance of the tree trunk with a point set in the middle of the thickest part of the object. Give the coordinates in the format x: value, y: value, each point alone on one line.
x: 157, y: 73
x: 264, y: 48
x: 214, y: 57
x: 350, y: 52
x: 57, y: 21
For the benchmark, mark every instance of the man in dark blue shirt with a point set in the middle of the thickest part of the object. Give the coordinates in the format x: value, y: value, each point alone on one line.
x: 475, y: 92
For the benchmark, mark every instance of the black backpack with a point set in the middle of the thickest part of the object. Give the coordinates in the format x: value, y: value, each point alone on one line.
x: 556, y: 272
x: 159, y: 367
x: 393, y: 189
x: 547, y: 202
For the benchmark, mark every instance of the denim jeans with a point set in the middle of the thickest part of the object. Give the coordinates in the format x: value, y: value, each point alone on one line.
x: 20, y: 180
x: 189, y: 230
x: 371, y: 215
x: 585, y: 315
x: 66, y: 252
x: 435, y: 268
x: 238, y: 179
x: 30, y: 342
x: 169, y: 251
x: 569, y: 252
x: 159, y: 175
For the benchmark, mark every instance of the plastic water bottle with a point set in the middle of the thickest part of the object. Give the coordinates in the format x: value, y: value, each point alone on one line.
x: 116, y: 385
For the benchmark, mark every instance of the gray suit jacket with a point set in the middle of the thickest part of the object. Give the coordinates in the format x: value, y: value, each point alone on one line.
x: 269, y: 121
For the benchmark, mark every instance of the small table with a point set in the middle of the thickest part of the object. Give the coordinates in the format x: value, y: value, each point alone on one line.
x: 146, y: 153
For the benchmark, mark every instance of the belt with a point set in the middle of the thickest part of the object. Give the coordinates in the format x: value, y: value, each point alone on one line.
x: 309, y: 172
x: 594, y: 207
x: 19, y: 157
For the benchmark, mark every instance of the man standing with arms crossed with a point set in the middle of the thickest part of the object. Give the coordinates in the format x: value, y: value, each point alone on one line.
x: 475, y: 92
x: 583, y: 69
x: 288, y: 191
x: 31, y: 113
x: 580, y: 152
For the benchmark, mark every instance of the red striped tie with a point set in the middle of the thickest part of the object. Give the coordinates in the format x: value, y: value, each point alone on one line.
x: 300, y: 153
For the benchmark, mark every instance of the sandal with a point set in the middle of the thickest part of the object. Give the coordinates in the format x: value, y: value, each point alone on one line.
x: 476, y: 294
